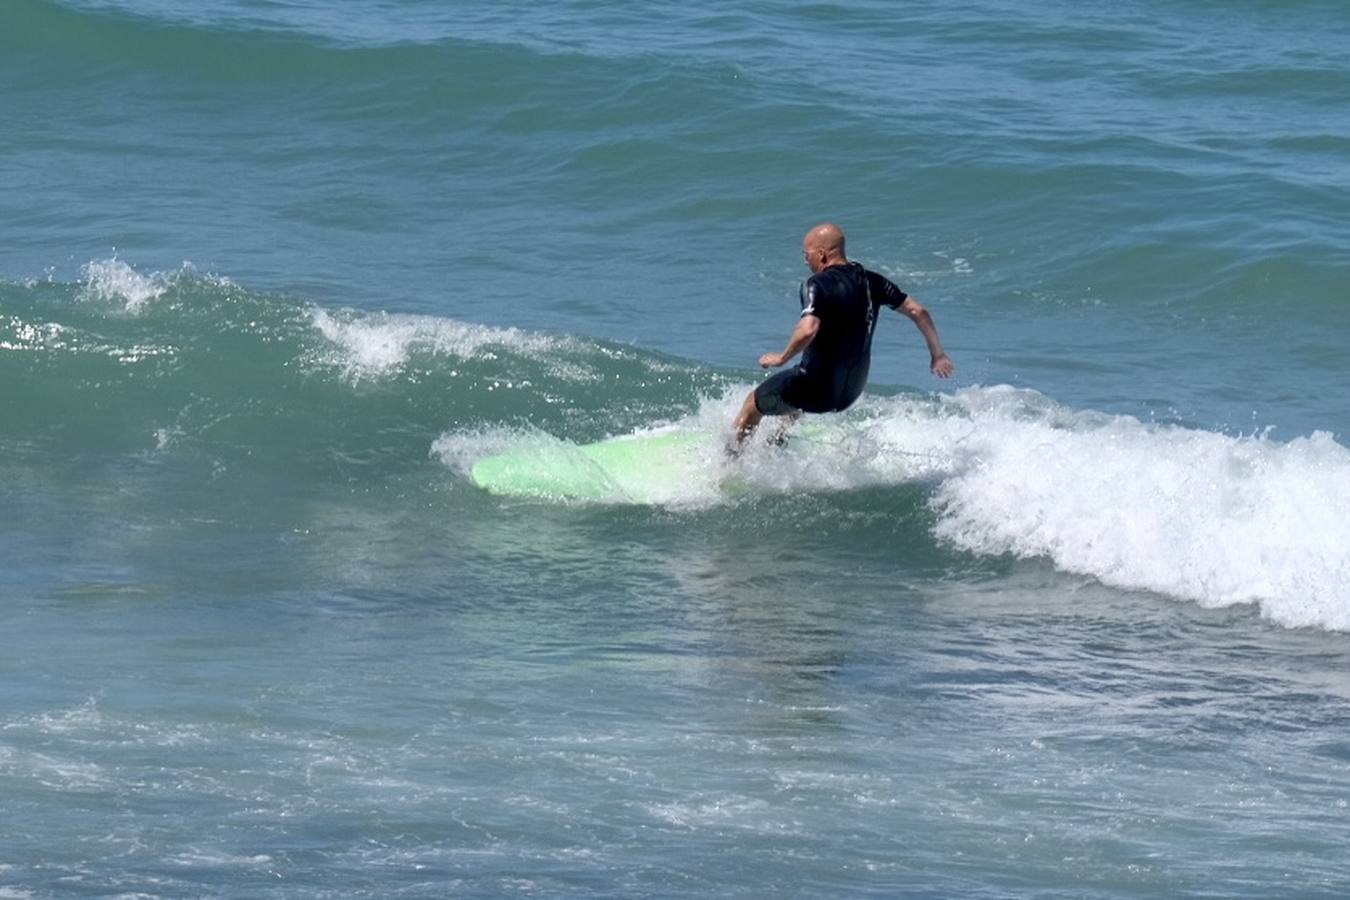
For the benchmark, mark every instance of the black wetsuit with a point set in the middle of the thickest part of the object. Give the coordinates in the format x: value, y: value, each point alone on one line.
x: 833, y: 371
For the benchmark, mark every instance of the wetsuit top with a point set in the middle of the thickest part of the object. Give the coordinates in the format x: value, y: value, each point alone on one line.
x: 846, y: 298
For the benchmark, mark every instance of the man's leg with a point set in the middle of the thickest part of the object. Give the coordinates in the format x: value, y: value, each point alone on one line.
x: 766, y: 400
x: 779, y: 438
x: 747, y: 419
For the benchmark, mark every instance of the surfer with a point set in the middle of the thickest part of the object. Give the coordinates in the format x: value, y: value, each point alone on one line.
x: 840, y: 302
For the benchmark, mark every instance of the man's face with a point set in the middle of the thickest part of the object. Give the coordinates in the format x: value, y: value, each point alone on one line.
x: 813, y: 258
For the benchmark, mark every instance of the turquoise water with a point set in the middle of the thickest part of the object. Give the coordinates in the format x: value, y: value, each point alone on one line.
x: 276, y: 274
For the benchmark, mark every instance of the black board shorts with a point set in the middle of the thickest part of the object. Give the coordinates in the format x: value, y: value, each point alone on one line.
x: 789, y: 392
x: 793, y: 390
x: 770, y: 397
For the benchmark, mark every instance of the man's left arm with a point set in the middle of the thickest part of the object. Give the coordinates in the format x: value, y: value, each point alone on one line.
x: 941, y: 364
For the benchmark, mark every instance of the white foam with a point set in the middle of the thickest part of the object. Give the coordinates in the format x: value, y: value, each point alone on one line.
x: 373, y: 345
x: 945, y: 266
x: 28, y: 337
x: 459, y: 450
x: 167, y: 437
x: 733, y: 812
x: 216, y: 859
x: 1197, y: 515
x: 66, y: 774
x: 1194, y: 514
x: 73, y: 719
x: 112, y: 280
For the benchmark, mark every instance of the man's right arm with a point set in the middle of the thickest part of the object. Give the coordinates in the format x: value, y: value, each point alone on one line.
x: 803, y: 334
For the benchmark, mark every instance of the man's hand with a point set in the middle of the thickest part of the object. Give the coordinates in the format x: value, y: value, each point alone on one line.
x: 942, y: 366
x: 806, y: 329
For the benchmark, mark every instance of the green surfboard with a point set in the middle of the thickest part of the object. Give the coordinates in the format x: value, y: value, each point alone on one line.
x: 638, y: 468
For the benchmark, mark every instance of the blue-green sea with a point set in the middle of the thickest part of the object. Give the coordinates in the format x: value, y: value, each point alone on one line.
x: 274, y: 274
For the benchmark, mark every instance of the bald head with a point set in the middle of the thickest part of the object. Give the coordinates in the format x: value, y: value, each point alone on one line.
x: 823, y: 247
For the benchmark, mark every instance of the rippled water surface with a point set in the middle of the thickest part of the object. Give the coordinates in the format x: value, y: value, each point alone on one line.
x: 275, y: 276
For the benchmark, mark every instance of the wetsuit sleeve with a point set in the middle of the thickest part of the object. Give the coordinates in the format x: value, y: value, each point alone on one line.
x: 885, y: 290
x: 812, y: 298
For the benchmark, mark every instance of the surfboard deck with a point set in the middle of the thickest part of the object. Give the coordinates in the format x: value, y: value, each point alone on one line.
x: 634, y: 467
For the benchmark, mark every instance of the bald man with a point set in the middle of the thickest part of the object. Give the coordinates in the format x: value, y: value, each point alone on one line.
x: 840, y: 302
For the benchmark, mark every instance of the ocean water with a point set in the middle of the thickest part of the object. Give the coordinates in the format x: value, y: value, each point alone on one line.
x: 275, y: 273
